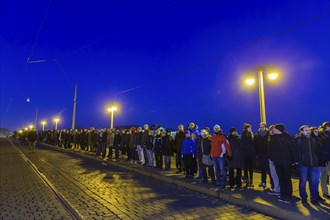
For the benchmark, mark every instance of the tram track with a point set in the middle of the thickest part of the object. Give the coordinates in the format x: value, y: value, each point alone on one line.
x: 64, y: 202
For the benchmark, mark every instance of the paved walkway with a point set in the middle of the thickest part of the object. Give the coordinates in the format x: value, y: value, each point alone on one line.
x: 23, y: 194
x: 256, y: 199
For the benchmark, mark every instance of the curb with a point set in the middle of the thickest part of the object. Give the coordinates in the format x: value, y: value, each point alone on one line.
x: 262, y: 208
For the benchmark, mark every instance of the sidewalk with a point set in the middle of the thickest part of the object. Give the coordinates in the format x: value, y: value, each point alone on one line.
x: 256, y: 199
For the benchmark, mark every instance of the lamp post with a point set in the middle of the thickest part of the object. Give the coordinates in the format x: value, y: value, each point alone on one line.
x: 272, y: 75
x: 111, y: 109
x: 43, y: 125
x: 56, y: 120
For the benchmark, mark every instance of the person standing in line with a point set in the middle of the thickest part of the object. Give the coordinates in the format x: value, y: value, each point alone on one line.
x: 261, y: 140
x: 167, y: 149
x: 149, y: 146
x: 204, y: 148
x: 32, y: 138
x: 275, y: 184
x: 144, y: 145
x: 179, y: 137
x: 158, y: 148
x: 219, y: 148
x: 236, y: 162
x: 325, y: 140
x: 249, y: 153
x: 284, y: 153
x: 188, y: 154
x: 139, y: 145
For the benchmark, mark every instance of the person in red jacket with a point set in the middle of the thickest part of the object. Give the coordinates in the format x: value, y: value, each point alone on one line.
x: 219, y: 148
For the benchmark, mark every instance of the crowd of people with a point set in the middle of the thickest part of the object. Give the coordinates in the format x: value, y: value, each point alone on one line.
x: 211, y: 155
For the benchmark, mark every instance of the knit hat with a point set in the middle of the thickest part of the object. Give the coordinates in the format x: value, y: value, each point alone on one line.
x: 280, y: 127
x: 216, y: 127
x: 232, y: 130
x: 246, y: 126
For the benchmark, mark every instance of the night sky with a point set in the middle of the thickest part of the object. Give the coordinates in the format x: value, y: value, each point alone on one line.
x: 164, y: 62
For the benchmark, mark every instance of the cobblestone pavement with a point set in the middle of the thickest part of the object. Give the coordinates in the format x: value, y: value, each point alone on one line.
x: 23, y: 194
x: 100, y: 191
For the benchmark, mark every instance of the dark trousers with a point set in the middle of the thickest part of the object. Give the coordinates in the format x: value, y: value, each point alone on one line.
x: 188, y: 164
x: 248, y: 170
x: 145, y: 155
x: 235, y: 180
x: 178, y: 161
x: 264, y: 167
x: 159, y: 159
x: 210, y: 171
x: 131, y: 155
x: 284, y: 176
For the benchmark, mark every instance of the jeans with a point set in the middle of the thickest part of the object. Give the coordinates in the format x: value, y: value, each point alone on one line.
x: 324, y: 173
x: 140, y: 153
x: 274, y: 176
x: 150, y: 158
x: 167, y: 162
x: 219, y: 165
x: 312, y: 174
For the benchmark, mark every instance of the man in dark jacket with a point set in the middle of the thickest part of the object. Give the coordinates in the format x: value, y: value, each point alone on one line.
x: 325, y: 141
x: 32, y: 138
x: 261, y: 141
x: 179, y: 137
x: 284, y: 153
x: 204, y: 148
x: 309, y: 168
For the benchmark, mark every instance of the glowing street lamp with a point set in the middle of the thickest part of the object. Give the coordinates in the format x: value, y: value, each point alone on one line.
x: 43, y: 125
x: 30, y: 126
x: 112, y: 109
x: 272, y: 75
x: 56, y: 120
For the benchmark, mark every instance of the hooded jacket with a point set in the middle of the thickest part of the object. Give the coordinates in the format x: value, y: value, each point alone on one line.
x: 219, y: 145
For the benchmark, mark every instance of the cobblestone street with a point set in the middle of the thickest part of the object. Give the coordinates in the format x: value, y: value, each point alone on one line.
x: 100, y: 191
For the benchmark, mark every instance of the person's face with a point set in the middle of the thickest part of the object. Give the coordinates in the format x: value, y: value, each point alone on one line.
x: 234, y: 133
x: 146, y: 127
x: 150, y: 133
x: 139, y: 129
x: 262, y: 127
x: 180, y: 127
x: 216, y: 129
x: 271, y: 131
x: 316, y: 132
x: 306, y: 131
x: 249, y: 129
x: 158, y: 132
x: 191, y: 125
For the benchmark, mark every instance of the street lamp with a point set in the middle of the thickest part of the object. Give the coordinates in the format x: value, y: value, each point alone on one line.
x: 111, y: 109
x: 272, y: 75
x: 43, y: 125
x: 30, y: 126
x: 56, y: 120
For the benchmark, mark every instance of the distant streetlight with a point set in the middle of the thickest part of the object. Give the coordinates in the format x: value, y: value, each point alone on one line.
x: 30, y: 126
x: 56, y: 120
x: 43, y: 125
x: 112, y: 109
x: 272, y: 75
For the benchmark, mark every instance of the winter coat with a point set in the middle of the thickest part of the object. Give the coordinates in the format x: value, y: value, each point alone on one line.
x: 144, y: 137
x: 237, y: 158
x: 260, y: 142
x: 309, y: 151
x: 248, y: 145
x: 116, y: 140
x: 132, y: 140
x: 219, y: 145
x: 206, y: 143
x: 32, y: 136
x: 158, y: 142
x: 283, y: 149
x: 167, y: 145
x: 139, y: 138
x: 149, y: 142
x: 325, y: 140
x: 179, y: 137
x: 188, y: 146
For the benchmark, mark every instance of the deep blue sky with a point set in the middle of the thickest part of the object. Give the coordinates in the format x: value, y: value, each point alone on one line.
x: 186, y: 60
